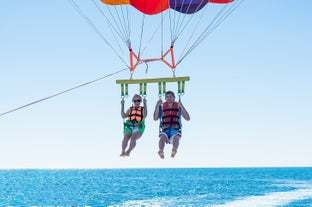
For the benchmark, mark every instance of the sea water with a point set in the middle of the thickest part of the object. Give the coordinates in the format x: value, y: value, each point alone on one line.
x: 215, y: 187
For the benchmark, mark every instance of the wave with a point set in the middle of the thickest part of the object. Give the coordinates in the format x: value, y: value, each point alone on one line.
x: 271, y: 199
x: 268, y: 200
x: 164, y: 201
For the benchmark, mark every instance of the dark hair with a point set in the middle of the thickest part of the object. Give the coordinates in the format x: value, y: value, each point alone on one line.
x: 170, y: 92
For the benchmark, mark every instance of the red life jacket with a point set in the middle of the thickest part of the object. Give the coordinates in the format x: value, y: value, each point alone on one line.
x: 136, y: 114
x: 170, y: 116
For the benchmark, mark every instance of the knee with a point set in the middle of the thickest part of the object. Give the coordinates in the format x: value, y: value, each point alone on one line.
x: 176, y: 138
x: 136, y: 136
x: 126, y: 137
x: 162, y: 138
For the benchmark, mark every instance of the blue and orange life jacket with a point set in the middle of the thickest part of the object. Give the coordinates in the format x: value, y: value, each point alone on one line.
x: 136, y: 114
x: 170, y: 116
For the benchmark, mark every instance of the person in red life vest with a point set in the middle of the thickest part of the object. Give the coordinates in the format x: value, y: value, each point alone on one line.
x: 169, y: 114
x: 134, y: 125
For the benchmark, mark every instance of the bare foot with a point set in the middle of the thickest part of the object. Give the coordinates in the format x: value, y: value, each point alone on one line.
x: 173, y: 152
x: 161, y: 154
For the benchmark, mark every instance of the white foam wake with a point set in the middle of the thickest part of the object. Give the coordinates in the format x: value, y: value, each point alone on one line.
x: 271, y: 199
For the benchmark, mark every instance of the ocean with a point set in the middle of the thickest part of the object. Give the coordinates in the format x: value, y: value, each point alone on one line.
x: 215, y: 187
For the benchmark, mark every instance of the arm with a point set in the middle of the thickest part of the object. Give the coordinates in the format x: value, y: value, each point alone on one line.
x: 145, y: 108
x: 156, y: 115
x: 184, y: 113
x: 122, y: 111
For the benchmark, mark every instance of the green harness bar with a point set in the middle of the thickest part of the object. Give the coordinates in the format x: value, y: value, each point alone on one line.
x: 124, y: 90
x: 161, y: 85
x: 143, y: 89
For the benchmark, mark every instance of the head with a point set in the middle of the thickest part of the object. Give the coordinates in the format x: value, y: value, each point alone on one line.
x: 136, y: 100
x: 170, y: 97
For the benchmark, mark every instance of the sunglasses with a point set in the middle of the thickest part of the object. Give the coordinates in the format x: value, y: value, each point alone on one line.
x: 136, y: 100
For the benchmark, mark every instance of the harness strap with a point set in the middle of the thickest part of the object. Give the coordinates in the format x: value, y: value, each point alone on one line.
x: 160, y: 117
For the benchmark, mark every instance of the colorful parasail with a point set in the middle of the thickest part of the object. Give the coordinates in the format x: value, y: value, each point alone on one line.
x: 152, y: 7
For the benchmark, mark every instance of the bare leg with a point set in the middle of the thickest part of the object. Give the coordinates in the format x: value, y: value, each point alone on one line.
x: 161, y: 144
x: 124, y: 144
x: 135, y: 136
x: 175, y: 145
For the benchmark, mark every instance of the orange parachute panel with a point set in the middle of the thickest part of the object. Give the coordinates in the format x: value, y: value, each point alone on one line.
x: 116, y: 2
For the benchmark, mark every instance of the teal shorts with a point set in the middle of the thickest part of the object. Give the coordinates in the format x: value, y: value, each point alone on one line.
x: 170, y: 133
x: 129, y: 128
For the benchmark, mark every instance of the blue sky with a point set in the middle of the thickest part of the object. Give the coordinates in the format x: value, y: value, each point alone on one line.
x: 249, y: 97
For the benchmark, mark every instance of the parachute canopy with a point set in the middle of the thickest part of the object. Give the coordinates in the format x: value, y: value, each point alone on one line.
x: 152, y: 7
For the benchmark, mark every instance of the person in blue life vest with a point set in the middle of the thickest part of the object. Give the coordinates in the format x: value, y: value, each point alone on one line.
x: 134, y: 125
x: 169, y: 113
